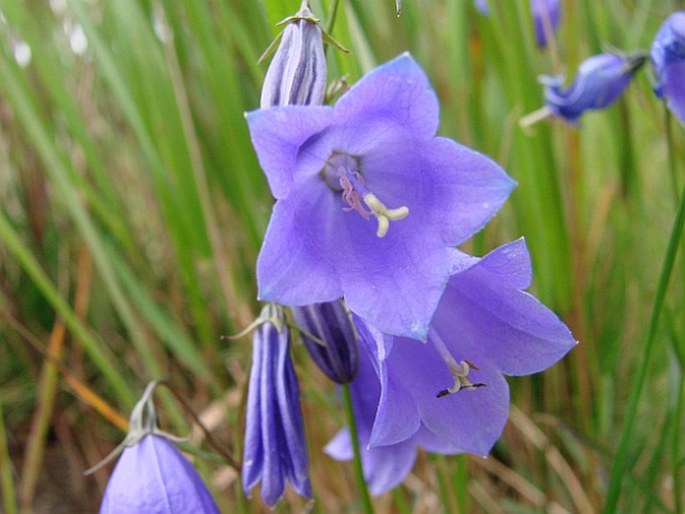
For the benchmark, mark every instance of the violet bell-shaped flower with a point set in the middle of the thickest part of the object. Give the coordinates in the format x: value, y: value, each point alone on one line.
x: 297, y: 73
x: 275, y: 448
x: 152, y: 476
x: 546, y: 18
x: 668, y: 60
x: 600, y: 81
x: 448, y: 395
x: 343, y: 174
x: 329, y: 334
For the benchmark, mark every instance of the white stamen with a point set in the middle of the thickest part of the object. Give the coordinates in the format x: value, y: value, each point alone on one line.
x: 459, y: 370
x: 383, y: 214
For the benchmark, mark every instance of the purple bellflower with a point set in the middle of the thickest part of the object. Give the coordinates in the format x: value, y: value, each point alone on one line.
x: 343, y: 174
x: 448, y: 395
x: 275, y: 447
x: 668, y: 59
x: 546, y: 17
x: 329, y: 333
x: 600, y: 81
x: 152, y: 476
x: 482, y: 7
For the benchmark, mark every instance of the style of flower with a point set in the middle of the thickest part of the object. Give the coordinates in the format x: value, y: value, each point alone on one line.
x: 600, y: 81
x: 152, y: 476
x: 275, y: 448
x: 448, y: 395
x: 297, y: 73
x: 373, y: 157
x: 668, y: 60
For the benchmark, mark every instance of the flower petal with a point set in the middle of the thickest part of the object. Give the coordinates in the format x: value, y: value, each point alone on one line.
x: 674, y: 90
x: 468, y: 421
x: 278, y: 134
x: 396, y: 417
x: 397, y: 288
x: 398, y: 92
x: 153, y: 477
x: 483, y: 310
x: 295, y: 265
x: 384, y: 467
x: 450, y: 190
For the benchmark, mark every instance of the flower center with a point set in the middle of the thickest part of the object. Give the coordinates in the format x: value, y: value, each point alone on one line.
x: 459, y: 370
x: 342, y: 174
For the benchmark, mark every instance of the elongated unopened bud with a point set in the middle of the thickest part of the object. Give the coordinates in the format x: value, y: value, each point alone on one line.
x: 297, y: 73
x: 331, y: 337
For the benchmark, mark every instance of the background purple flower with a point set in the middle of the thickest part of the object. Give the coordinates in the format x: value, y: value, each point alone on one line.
x: 600, y: 81
x: 153, y: 477
x: 546, y: 18
x: 485, y: 319
x: 369, y: 201
x: 668, y: 59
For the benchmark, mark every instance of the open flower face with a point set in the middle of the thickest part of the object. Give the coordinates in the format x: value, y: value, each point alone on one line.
x: 448, y: 395
x: 369, y: 201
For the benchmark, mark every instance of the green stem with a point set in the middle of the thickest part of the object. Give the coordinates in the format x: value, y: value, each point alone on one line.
x: 333, y: 16
x: 354, y: 437
x: 675, y: 444
x: 626, y: 438
x: 671, y: 155
x: 6, y: 483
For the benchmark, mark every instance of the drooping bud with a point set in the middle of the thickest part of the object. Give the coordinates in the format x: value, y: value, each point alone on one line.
x: 330, y: 335
x: 297, y: 73
x: 600, y: 81
x: 152, y: 476
x: 668, y: 59
x: 275, y: 447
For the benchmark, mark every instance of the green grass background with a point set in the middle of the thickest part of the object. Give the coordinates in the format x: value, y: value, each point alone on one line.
x: 132, y: 210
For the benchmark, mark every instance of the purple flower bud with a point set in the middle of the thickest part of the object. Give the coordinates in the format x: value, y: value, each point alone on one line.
x: 668, y: 59
x: 153, y: 477
x: 482, y: 7
x: 275, y: 448
x: 600, y: 81
x: 297, y: 73
x: 546, y: 17
x: 330, y: 335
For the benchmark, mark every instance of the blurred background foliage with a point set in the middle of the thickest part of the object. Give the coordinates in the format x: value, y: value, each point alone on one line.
x: 132, y: 210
